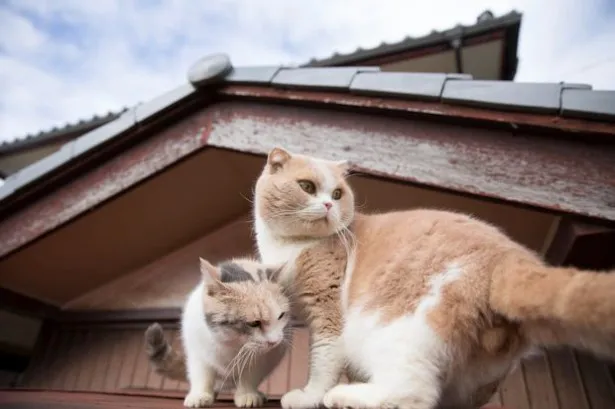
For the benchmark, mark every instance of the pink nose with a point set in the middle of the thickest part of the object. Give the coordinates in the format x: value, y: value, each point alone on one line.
x: 328, y: 205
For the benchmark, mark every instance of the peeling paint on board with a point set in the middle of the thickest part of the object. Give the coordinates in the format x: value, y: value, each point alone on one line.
x: 560, y: 175
x: 104, y: 182
x: 576, y: 128
x: 565, y: 175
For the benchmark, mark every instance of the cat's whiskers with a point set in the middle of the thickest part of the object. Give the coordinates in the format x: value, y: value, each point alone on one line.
x: 230, y: 368
x: 246, y: 358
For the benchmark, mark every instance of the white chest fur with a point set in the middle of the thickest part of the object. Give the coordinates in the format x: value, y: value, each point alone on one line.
x: 275, y: 250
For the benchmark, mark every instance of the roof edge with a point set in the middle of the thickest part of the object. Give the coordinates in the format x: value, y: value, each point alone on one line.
x: 511, y: 20
x: 57, y: 134
x: 552, y: 100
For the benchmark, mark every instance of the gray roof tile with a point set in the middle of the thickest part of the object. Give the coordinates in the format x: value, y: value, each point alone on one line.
x: 574, y: 85
x: 419, y: 85
x: 323, y: 78
x: 45, y: 165
x: 106, y: 132
x: 583, y: 103
x: 253, y: 75
x: 8, y: 187
x: 146, y: 110
x: 537, y: 97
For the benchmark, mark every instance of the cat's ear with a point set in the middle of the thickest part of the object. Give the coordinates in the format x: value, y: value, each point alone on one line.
x: 274, y: 272
x: 345, y: 166
x: 277, y: 158
x: 210, y: 274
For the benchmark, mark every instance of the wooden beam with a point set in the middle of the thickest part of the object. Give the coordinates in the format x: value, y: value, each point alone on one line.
x: 125, y: 316
x: 22, y: 304
x: 142, y: 316
x: 582, y: 245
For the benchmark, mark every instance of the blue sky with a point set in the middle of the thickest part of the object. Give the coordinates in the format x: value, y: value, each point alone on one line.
x: 63, y: 60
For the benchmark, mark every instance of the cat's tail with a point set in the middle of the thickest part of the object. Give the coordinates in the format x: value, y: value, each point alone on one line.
x: 166, y: 361
x: 557, y: 306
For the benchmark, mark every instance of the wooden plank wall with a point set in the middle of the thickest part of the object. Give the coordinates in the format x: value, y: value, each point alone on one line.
x: 111, y: 358
x: 107, y: 358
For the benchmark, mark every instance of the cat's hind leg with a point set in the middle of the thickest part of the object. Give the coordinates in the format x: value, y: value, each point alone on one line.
x: 404, y: 358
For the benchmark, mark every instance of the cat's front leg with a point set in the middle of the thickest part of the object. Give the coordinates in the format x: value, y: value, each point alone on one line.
x: 247, y: 394
x: 202, y: 380
x: 326, y: 366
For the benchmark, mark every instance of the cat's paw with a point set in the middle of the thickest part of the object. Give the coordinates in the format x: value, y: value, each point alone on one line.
x: 355, y: 396
x: 300, y: 399
x: 199, y: 400
x: 250, y: 399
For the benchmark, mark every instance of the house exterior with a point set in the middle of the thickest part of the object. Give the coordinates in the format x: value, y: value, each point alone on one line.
x: 484, y: 50
x: 102, y: 237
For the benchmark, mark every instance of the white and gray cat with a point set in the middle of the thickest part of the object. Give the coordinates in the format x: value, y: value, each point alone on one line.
x: 234, y: 329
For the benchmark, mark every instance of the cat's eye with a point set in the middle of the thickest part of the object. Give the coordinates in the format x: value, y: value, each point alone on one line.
x: 281, y: 316
x: 337, y: 194
x: 307, y: 186
x: 254, y: 324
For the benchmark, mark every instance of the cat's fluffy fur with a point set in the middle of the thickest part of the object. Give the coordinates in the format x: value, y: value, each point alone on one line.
x: 234, y: 330
x: 424, y: 307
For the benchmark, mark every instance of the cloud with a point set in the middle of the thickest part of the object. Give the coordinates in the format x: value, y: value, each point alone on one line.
x: 64, y: 60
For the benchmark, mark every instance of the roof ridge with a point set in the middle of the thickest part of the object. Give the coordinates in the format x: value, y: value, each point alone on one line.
x: 65, y: 128
x: 486, y: 20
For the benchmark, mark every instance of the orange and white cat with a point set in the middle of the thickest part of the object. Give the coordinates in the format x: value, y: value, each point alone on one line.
x: 423, y: 308
x: 234, y: 327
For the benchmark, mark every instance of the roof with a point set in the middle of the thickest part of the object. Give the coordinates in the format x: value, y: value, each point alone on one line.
x: 541, y: 104
x: 58, y: 133
x: 486, y: 23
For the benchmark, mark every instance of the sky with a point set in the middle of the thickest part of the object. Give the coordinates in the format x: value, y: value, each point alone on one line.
x: 66, y: 60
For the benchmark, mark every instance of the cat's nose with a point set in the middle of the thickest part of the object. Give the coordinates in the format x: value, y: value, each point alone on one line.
x: 328, y: 205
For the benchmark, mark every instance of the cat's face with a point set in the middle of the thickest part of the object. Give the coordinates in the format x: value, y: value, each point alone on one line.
x: 244, y: 304
x: 298, y: 195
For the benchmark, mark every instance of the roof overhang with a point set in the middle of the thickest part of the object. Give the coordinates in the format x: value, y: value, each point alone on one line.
x: 549, y: 160
x: 504, y: 28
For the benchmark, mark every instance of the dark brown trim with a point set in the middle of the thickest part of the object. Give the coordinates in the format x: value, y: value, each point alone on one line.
x: 124, y: 316
x: 143, y: 316
x: 582, y: 245
x: 22, y: 304
x: 577, y: 129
